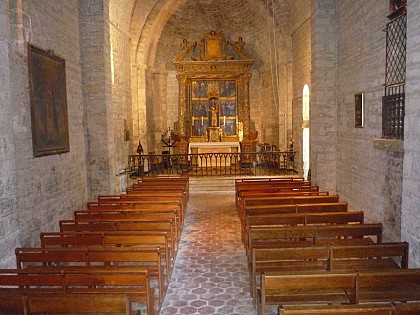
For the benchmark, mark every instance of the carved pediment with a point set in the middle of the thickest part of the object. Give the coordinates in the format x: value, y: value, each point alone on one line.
x: 213, y: 47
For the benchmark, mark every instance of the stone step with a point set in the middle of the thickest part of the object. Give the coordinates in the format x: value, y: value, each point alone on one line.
x: 211, y: 184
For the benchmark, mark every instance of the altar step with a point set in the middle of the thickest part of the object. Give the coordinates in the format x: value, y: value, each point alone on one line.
x: 211, y: 184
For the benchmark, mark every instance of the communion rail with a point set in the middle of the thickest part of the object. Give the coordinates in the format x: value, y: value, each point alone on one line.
x: 213, y: 164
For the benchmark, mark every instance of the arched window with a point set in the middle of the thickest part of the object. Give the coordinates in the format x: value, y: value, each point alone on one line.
x: 305, y: 131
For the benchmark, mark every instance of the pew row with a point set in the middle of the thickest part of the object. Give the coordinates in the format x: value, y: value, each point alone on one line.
x: 296, y: 208
x: 84, y: 283
x: 292, y: 236
x: 122, y: 225
x: 131, y: 215
x: 402, y: 285
x: 75, y: 304
x: 285, y: 200
x: 76, y: 258
x: 327, y: 258
x: 111, y: 239
x: 356, y: 309
x: 294, y: 219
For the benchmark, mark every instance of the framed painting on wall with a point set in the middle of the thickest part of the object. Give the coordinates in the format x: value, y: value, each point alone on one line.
x: 359, y: 103
x: 48, y: 98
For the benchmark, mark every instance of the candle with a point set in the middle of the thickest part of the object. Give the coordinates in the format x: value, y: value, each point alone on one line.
x: 202, y: 120
x: 224, y: 120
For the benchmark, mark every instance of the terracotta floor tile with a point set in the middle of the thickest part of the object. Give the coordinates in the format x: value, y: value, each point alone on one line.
x: 210, y: 275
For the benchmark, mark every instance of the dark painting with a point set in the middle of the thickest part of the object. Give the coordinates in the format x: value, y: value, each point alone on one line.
x: 47, y: 84
x: 358, y: 110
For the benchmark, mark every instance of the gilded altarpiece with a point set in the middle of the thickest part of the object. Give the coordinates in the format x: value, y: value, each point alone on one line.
x: 213, y: 76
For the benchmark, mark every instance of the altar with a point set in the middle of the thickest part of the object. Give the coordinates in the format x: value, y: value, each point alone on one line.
x: 213, y: 147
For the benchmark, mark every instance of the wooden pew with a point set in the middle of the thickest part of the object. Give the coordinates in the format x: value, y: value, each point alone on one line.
x: 139, y: 206
x: 242, y: 184
x: 367, y: 309
x: 353, y: 234
x: 373, y: 256
x: 294, y: 219
x: 166, y: 182
x: 297, y: 208
x: 12, y: 303
x: 244, y: 209
x: 86, y: 282
x: 80, y: 257
x: 258, y: 191
x: 111, y: 239
x: 287, y: 236
x: 250, y: 194
x: 241, y: 187
x: 252, y: 211
x: 284, y: 200
x: 75, y: 304
x: 317, y: 213
x: 306, y: 288
x: 130, y: 215
x: 149, y: 197
x: 407, y: 308
x: 376, y: 286
x: 308, y: 258
x: 327, y: 258
x: 122, y: 225
x: 388, y: 286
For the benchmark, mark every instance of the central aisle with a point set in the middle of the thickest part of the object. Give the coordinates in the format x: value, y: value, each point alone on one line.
x: 210, y: 274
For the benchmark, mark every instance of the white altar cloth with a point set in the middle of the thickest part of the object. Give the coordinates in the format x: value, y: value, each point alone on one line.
x: 216, y: 146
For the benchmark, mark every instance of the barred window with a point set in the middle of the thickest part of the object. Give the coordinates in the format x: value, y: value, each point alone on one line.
x: 393, y: 102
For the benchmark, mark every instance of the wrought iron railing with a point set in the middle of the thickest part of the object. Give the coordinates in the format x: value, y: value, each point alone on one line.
x: 213, y: 164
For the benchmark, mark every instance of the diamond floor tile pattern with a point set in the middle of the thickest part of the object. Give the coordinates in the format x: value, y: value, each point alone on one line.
x: 210, y: 275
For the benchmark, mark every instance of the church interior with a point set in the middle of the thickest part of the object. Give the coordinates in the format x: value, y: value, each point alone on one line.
x: 87, y: 86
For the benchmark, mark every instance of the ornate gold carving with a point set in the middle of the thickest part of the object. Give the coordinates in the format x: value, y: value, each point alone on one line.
x: 213, y: 60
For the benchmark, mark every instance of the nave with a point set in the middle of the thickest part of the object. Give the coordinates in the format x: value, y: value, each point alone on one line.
x: 210, y: 275
x: 178, y: 252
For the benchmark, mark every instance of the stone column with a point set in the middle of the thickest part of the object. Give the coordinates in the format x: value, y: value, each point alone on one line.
x: 410, y: 217
x: 9, y: 210
x: 97, y: 94
x: 182, y: 105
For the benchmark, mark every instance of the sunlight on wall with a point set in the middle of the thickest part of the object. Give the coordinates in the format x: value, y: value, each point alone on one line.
x: 112, y: 65
x: 305, y: 133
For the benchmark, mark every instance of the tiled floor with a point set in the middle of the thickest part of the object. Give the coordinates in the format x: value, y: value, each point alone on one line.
x: 210, y: 274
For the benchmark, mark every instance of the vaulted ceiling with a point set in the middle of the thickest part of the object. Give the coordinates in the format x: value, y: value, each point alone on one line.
x: 159, y: 26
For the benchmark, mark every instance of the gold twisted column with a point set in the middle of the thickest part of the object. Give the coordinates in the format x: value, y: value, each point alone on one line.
x: 246, y: 111
x: 182, y: 105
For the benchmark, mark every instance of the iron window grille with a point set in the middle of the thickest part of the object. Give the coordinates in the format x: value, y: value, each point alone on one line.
x: 393, y: 102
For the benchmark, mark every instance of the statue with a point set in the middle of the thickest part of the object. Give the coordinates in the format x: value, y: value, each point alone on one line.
x: 214, y: 110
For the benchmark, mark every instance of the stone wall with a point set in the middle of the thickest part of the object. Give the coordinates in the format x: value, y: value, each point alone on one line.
x: 37, y: 192
x: 9, y: 215
x: 411, y: 182
x: 323, y: 108
x: 368, y: 174
x: 301, y: 61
